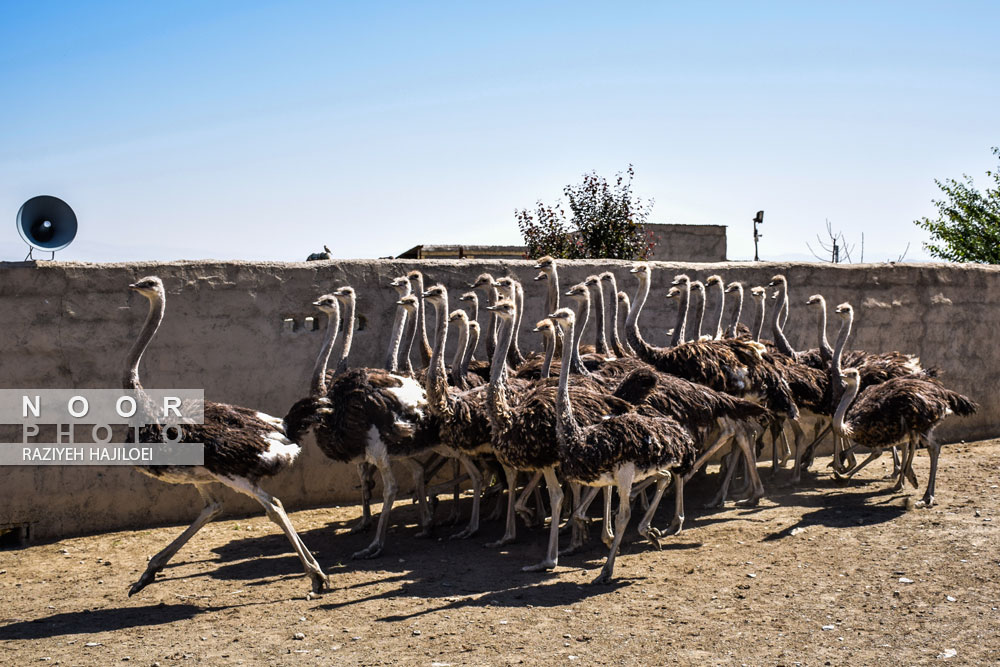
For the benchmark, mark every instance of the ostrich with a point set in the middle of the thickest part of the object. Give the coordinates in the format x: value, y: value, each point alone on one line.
x: 731, y: 366
x: 241, y: 447
x: 873, y: 370
x: 485, y: 282
x: 601, y: 340
x: 778, y: 335
x: 319, y: 256
x: 716, y: 281
x: 416, y: 279
x: 619, y: 450
x: 548, y: 331
x: 367, y: 414
x: 625, y: 303
x: 522, y: 426
x: 460, y: 320
x: 402, y: 287
x: 698, y: 288
x: 620, y: 349
x: 411, y: 305
x: 736, y: 328
x: 894, y: 412
x: 463, y: 423
x: 511, y: 289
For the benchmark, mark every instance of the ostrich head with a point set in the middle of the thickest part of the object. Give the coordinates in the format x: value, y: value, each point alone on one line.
x: 150, y: 287
x: 623, y: 299
x: 327, y: 303
x: 401, y: 285
x: 469, y: 296
x: 545, y: 327
x: 714, y: 280
x: 845, y: 310
x: 816, y: 300
x: 345, y: 294
x: 409, y: 303
x: 546, y: 265
x: 459, y: 316
x: 506, y: 287
x: 483, y: 280
x: 436, y: 295
x: 681, y: 279
x: 578, y: 292
x: 592, y: 281
x: 673, y: 292
x: 698, y: 286
x: 563, y: 317
x: 851, y: 377
x: 778, y: 281
x: 641, y: 270
x: 758, y: 294
x: 734, y: 286
x: 504, y: 308
x: 414, y: 276
x: 607, y: 277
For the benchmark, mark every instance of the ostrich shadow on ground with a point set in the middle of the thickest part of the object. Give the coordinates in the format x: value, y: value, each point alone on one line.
x: 88, y: 622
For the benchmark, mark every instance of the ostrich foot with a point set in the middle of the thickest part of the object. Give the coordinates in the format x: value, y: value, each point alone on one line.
x: 372, y: 551
x: 503, y: 541
x: 544, y: 566
x: 361, y: 526
x: 652, y: 536
x: 469, y: 531
x: 911, y: 477
x: 603, y: 578
x: 571, y: 549
x: 148, y: 577
x: 320, y: 583
x: 926, y: 501
x: 752, y: 501
x: 675, y: 527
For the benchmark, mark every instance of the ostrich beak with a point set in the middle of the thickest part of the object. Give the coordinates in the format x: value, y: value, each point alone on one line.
x: 134, y: 286
x: 541, y: 275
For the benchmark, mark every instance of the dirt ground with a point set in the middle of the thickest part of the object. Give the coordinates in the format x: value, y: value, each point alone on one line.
x: 822, y: 574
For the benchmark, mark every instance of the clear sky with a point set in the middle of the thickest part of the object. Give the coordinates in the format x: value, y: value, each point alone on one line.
x: 184, y: 130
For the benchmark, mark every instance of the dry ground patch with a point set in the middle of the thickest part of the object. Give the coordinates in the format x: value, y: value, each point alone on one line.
x: 823, y: 574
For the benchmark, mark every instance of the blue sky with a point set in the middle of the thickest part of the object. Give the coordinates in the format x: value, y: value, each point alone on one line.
x: 189, y: 130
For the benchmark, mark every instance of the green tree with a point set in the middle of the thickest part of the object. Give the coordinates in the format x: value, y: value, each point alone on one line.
x: 607, y: 222
x: 967, y: 228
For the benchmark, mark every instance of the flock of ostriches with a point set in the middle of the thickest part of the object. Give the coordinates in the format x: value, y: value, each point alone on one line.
x: 625, y: 415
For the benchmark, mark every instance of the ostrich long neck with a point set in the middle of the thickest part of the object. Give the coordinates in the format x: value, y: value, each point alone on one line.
x: 566, y: 427
x: 130, y: 379
x: 549, y: 345
x: 317, y: 387
x: 836, y: 371
x: 625, y: 344
x: 456, y: 362
x: 348, y: 334
x: 392, y: 354
x: 717, y: 329
x: 422, y: 319
x: 410, y: 336
x: 553, y: 280
x: 519, y: 304
x: 616, y: 341
x: 701, y: 315
x: 470, y: 351
x: 601, y: 340
x: 779, y: 336
x: 491, y: 323
x: 437, y: 385
x: 842, y: 429
x: 496, y: 392
x: 642, y: 348
x: 582, y: 315
x: 758, y: 320
x: 682, y: 315
x: 825, y: 351
x: 739, y: 311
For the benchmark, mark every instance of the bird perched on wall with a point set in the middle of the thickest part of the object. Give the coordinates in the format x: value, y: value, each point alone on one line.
x: 319, y: 256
